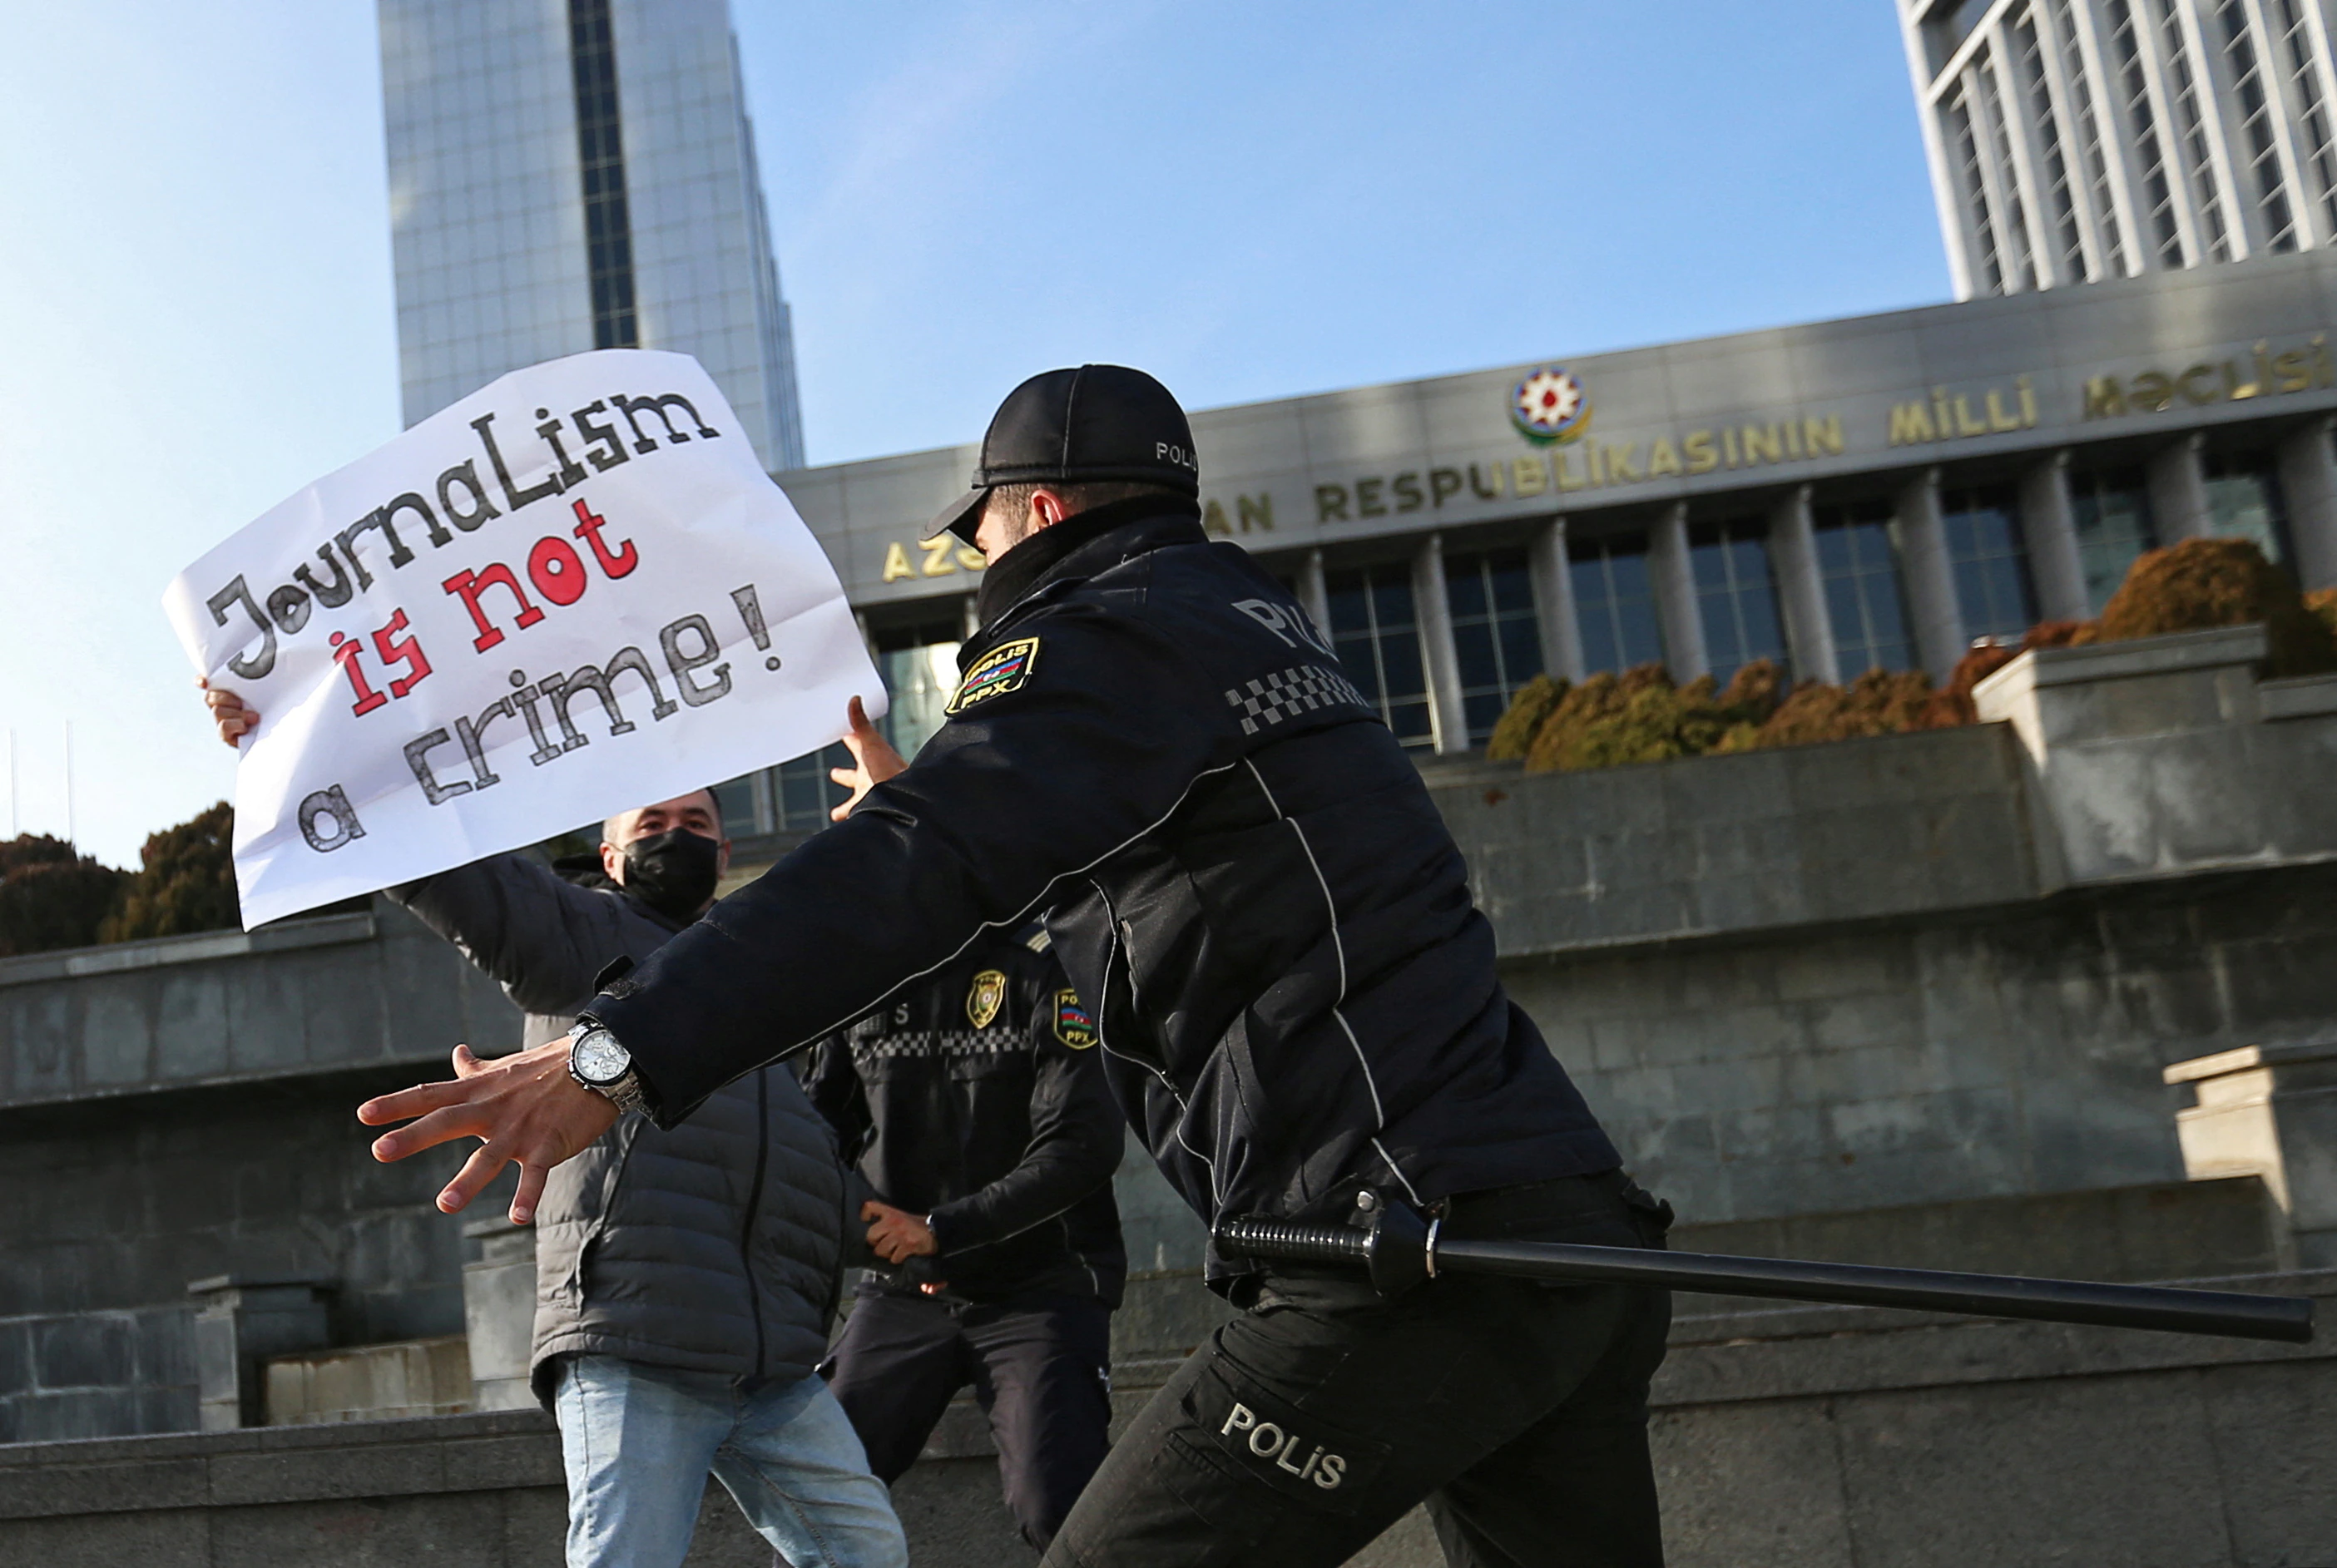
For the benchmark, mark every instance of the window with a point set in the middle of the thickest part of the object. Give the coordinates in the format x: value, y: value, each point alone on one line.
x: 802, y: 794
x: 1858, y: 562
x: 2255, y: 121
x: 2007, y: 173
x: 2157, y: 196
x: 1967, y: 156
x: 1376, y: 634
x: 2243, y: 501
x: 919, y: 664
x: 2312, y: 109
x: 1613, y: 602
x: 1495, y: 632
x: 1991, y: 568
x: 2110, y: 508
x: 2098, y: 169
x: 742, y: 813
x: 2049, y: 134
x: 2195, y: 134
x: 1735, y: 596
x: 600, y: 156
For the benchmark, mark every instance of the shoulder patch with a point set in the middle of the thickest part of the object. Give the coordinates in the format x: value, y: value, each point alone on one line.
x: 1003, y: 669
x: 1074, y: 1025
x: 982, y: 1001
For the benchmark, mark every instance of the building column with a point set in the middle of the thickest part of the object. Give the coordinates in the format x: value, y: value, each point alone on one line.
x: 1940, y: 642
x: 1674, y: 577
x: 1801, y: 589
x: 2308, y: 483
x: 2176, y: 480
x: 972, y: 614
x: 1553, y: 591
x: 2050, y: 532
x: 1314, y: 594
x: 1433, y: 612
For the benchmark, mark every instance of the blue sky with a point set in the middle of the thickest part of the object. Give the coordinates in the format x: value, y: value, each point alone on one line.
x: 1250, y: 200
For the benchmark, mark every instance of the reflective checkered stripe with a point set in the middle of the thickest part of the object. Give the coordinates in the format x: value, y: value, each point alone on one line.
x: 1302, y: 688
x: 940, y: 1043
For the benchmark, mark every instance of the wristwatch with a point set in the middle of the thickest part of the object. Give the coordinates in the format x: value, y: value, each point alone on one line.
x: 598, y: 1062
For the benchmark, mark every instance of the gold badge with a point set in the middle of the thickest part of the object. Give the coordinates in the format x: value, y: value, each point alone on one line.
x: 1003, y: 669
x: 982, y: 1002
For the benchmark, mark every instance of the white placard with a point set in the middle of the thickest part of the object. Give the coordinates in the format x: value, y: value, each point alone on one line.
x: 573, y: 592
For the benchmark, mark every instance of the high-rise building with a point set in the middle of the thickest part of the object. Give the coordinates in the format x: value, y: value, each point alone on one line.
x: 2072, y: 140
x: 576, y: 174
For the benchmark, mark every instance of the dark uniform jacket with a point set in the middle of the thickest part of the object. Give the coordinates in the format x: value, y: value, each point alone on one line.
x: 1239, y: 866
x: 977, y: 1100
x: 711, y: 1245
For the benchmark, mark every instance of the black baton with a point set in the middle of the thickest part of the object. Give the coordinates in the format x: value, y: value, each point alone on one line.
x: 1400, y: 1250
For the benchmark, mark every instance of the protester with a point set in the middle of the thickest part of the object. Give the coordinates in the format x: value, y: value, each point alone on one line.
x: 978, y: 1114
x: 1297, y: 998
x: 685, y: 1274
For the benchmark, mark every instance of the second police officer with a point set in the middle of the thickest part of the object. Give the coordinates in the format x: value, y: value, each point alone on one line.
x: 977, y: 1108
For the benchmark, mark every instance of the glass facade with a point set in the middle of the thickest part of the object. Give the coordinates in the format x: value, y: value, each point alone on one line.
x: 1736, y: 595
x: 1375, y: 631
x: 2110, y: 508
x: 1858, y: 564
x: 1613, y: 602
x: 600, y: 158
x: 1496, y: 634
x: 1991, y: 567
x: 2243, y: 501
x: 919, y: 665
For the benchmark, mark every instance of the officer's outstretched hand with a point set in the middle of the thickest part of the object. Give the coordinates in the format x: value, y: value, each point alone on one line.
x: 874, y: 760
x: 524, y: 1107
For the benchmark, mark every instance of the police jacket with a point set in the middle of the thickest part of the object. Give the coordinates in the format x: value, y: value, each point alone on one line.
x: 709, y: 1245
x: 1239, y: 867
x: 976, y: 1099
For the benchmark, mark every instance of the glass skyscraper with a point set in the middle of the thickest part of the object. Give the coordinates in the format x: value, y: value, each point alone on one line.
x: 576, y: 174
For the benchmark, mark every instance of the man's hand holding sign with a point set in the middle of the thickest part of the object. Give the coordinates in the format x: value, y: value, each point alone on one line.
x: 583, y: 558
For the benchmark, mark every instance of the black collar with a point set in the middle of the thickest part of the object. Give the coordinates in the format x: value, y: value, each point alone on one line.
x: 1013, y: 576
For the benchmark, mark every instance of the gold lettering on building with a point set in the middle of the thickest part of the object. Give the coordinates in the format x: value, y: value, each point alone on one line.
x: 2260, y: 373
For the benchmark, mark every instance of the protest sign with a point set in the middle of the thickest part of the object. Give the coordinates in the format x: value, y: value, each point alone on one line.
x: 571, y: 593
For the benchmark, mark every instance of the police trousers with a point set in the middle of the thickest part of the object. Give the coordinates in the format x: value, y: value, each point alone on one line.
x: 1041, y: 1369
x: 1517, y: 1411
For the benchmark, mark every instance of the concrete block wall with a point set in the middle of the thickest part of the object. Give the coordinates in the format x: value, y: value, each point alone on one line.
x: 97, y: 1374
x: 1897, y: 1062
x: 1783, y: 1439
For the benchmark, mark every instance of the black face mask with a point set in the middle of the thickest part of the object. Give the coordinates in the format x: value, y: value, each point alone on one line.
x: 673, y: 872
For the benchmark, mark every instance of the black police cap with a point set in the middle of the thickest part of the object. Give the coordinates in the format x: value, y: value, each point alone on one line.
x: 1100, y: 422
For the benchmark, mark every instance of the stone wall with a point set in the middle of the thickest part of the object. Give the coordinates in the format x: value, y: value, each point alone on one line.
x: 1792, y: 1438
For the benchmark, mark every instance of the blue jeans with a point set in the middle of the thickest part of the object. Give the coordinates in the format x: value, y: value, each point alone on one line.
x: 639, y: 1442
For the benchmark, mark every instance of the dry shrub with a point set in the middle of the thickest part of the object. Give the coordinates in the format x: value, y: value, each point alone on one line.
x: 2203, y: 583
x: 2322, y: 605
x: 1606, y: 722
x: 1514, y: 734
x: 1879, y: 702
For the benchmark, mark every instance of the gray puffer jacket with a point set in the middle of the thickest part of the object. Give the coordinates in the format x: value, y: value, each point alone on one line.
x: 713, y: 1247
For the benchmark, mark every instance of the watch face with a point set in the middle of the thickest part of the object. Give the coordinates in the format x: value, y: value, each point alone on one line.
x: 599, y: 1058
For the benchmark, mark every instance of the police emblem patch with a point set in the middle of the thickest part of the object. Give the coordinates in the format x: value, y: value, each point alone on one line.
x: 1003, y: 669
x: 982, y: 1001
x: 1074, y: 1025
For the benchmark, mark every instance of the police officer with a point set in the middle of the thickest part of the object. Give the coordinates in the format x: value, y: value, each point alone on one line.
x: 1297, y: 997
x: 977, y: 1109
